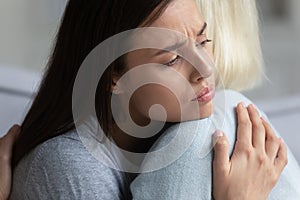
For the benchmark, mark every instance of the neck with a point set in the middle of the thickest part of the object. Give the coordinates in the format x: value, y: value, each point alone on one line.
x: 134, y: 144
x: 130, y: 143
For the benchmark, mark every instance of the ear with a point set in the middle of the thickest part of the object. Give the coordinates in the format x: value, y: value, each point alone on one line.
x: 115, y: 86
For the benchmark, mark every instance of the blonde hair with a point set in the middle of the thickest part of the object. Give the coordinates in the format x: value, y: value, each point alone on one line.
x: 233, y: 27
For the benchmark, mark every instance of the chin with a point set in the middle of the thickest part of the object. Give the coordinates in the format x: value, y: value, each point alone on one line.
x: 206, y: 110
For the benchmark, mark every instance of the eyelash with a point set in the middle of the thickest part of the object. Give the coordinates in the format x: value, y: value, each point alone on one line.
x: 177, y: 58
x: 204, y: 42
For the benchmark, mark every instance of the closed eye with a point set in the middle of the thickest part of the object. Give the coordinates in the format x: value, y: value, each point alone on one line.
x: 174, y: 61
x: 203, y: 43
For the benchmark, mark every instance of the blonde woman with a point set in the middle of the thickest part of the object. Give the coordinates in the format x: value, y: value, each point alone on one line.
x: 236, y: 48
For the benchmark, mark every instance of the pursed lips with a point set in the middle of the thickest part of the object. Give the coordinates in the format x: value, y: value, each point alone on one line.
x: 205, y: 92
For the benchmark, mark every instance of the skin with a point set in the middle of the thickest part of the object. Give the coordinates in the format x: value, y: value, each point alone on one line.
x: 6, y: 145
x: 257, y: 161
x: 259, y: 156
x: 183, y: 17
x: 182, y: 77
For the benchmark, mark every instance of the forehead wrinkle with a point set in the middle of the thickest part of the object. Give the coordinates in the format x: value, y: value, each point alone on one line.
x: 191, y: 31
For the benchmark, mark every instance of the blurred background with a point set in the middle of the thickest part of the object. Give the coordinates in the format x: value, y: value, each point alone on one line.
x: 29, y: 27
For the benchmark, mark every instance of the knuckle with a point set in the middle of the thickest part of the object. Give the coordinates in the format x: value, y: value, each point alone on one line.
x: 247, y: 151
x: 283, y: 161
x: 262, y: 159
x: 272, y: 138
x: 276, y: 142
x: 246, y: 124
x: 221, y: 143
x: 256, y: 124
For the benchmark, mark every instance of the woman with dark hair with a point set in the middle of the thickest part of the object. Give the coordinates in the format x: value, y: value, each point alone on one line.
x: 51, y: 159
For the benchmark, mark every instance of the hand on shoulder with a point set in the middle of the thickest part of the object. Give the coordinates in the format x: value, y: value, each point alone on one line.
x: 257, y: 162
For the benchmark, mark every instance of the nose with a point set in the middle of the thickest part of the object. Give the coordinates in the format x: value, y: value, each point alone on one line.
x: 200, y: 62
x: 195, y: 76
x: 202, y: 69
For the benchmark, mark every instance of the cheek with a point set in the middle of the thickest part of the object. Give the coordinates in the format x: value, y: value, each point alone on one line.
x: 149, y: 95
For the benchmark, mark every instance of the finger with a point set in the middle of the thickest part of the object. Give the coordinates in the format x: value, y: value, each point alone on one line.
x: 272, y: 142
x: 244, y: 129
x: 6, y: 142
x: 5, y: 177
x: 221, y: 156
x: 12, y: 134
x: 258, y: 130
x: 282, y: 160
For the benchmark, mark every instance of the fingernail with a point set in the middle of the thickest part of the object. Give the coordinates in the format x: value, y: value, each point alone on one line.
x: 216, y: 136
x: 242, y: 104
x: 254, y: 106
x: 218, y: 133
x: 281, y: 140
x: 264, y: 119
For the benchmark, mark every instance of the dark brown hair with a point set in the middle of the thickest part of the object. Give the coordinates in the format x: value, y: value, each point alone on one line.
x: 85, y: 24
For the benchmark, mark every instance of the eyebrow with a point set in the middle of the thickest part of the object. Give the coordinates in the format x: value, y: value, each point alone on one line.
x: 202, y: 29
x: 178, y: 45
x: 170, y: 48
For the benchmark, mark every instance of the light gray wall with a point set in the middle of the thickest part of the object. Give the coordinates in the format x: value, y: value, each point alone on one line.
x: 281, y: 49
x: 27, y: 31
x: 279, y: 96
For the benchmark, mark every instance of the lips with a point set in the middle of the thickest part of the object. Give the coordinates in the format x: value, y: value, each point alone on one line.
x: 205, y: 95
